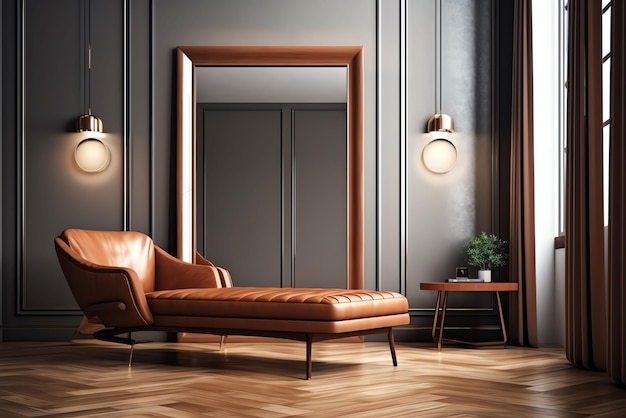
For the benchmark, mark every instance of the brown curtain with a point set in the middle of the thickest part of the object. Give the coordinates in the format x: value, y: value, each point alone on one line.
x: 523, y: 327
x: 616, y: 366
x: 585, y: 316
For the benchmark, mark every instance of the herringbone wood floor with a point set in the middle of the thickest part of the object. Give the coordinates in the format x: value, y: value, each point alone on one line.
x: 92, y: 379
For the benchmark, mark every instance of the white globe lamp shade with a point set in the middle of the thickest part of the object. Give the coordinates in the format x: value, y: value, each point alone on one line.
x: 439, y: 155
x: 92, y: 155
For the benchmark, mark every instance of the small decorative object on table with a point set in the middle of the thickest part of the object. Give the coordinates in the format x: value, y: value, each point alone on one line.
x: 485, y: 251
x: 462, y: 272
x: 462, y: 276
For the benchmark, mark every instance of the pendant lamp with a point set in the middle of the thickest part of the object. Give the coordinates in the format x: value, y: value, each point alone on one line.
x: 439, y: 155
x: 91, y: 154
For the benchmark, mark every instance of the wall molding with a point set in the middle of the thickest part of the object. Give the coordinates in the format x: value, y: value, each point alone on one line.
x: 151, y: 179
x: 378, y: 152
x: 126, y: 121
x: 19, y: 106
x: 404, y: 233
x: 20, y: 278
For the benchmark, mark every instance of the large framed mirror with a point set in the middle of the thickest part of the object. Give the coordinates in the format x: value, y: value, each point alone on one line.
x: 189, y: 58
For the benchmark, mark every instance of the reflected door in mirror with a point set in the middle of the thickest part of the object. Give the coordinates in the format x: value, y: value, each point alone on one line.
x: 272, y: 183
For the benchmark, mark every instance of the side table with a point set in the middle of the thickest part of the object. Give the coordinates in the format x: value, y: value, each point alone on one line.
x: 443, y: 288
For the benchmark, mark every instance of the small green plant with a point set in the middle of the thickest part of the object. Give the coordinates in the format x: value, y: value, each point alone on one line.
x: 485, y: 251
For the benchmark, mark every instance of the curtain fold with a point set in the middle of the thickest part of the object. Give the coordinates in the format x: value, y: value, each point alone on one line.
x: 586, y: 313
x: 523, y: 327
x: 616, y: 366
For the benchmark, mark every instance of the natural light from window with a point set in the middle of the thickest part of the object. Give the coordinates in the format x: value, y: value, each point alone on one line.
x: 562, y: 22
x: 606, y: 106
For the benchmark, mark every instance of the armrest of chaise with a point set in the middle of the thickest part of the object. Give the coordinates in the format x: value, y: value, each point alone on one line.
x: 112, y: 294
x: 172, y: 273
x: 224, y: 274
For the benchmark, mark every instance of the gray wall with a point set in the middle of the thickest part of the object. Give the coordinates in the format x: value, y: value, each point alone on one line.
x: 415, y: 222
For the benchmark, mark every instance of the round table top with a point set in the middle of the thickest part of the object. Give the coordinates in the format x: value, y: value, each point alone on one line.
x: 471, y: 286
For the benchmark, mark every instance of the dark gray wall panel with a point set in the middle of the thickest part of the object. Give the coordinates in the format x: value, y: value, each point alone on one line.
x: 389, y: 234
x: 56, y: 193
x: 139, y: 116
x: 9, y: 184
x: 320, y: 183
x: 243, y: 199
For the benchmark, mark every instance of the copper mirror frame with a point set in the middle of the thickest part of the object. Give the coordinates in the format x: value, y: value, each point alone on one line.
x: 190, y: 57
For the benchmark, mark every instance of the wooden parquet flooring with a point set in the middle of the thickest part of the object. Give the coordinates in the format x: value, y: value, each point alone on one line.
x: 248, y: 379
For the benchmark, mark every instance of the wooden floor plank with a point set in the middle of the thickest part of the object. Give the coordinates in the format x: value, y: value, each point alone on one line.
x: 266, y: 379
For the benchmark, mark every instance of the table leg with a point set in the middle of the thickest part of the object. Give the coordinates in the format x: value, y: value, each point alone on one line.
x: 443, y: 318
x: 436, y: 316
x: 501, y: 318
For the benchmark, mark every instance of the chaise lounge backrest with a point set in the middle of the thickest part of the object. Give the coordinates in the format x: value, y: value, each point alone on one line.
x: 110, y: 272
x: 132, y: 250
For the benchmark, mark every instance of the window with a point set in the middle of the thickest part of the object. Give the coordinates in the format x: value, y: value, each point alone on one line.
x: 562, y: 21
x: 606, y: 102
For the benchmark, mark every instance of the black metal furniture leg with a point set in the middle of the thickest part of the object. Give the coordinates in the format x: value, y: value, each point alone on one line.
x: 309, y: 361
x: 392, y: 347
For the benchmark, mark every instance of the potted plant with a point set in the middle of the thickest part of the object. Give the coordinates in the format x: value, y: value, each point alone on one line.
x: 485, y: 251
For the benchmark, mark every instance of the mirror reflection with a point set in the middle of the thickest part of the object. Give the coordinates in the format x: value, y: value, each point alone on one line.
x: 271, y: 85
x: 271, y: 173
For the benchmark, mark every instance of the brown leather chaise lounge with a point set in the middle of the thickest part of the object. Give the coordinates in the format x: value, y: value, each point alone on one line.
x: 126, y: 282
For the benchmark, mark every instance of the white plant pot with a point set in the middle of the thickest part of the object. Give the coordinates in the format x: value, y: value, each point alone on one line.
x: 484, y: 275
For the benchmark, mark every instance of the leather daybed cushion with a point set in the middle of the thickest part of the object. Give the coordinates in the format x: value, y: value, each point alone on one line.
x: 278, y: 309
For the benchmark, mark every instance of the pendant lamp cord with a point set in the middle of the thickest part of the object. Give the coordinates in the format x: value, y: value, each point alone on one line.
x: 440, y: 56
x: 87, y: 18
x: 89, y: 77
